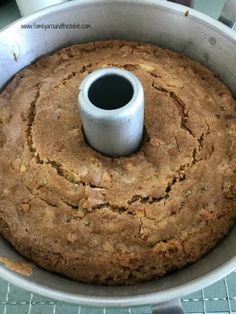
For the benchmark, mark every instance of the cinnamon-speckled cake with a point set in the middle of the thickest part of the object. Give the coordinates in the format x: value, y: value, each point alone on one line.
x: 121, y: 220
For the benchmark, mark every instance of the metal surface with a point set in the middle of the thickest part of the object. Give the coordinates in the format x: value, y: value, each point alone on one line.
x: 218, y: 298
x: 197, y: 36
x: 228, y: 14
x: 27, y: 7
x: 172, y: 307
x: 113, y: 123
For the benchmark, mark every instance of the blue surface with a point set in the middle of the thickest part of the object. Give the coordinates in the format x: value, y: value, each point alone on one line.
x: 218, y: 298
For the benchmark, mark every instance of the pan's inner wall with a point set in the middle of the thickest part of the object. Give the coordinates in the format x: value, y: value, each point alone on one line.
x: 192, y: 37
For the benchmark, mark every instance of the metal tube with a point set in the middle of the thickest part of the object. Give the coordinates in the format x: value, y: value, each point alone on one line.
x: 111, y: 103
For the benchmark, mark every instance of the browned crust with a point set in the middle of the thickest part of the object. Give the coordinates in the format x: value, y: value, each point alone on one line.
x: 23, y: 268
x: 113, y: 221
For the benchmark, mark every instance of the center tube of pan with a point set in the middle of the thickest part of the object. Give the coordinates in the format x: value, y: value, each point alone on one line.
x: 111, y: 104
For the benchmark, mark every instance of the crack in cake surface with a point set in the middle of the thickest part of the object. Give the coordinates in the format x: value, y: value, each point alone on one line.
x: 149, y: 232
x: 73, y: 178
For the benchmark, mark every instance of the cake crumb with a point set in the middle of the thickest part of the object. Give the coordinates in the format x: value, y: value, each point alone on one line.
x: 111, y: 221
x: 23, y: 268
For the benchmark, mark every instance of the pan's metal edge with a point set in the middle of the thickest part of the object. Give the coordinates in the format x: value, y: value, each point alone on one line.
x: 157, y: 3
x: 145, y: 299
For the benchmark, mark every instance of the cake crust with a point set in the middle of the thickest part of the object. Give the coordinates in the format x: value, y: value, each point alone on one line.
x: 121, y: 220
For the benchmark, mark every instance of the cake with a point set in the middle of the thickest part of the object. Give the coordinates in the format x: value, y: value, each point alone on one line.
x: 103, y: 220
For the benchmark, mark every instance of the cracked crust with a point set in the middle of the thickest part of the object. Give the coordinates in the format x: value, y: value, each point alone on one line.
x: 116, y: 221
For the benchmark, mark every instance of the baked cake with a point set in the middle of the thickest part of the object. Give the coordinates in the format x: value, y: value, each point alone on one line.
x: 105, y: 220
